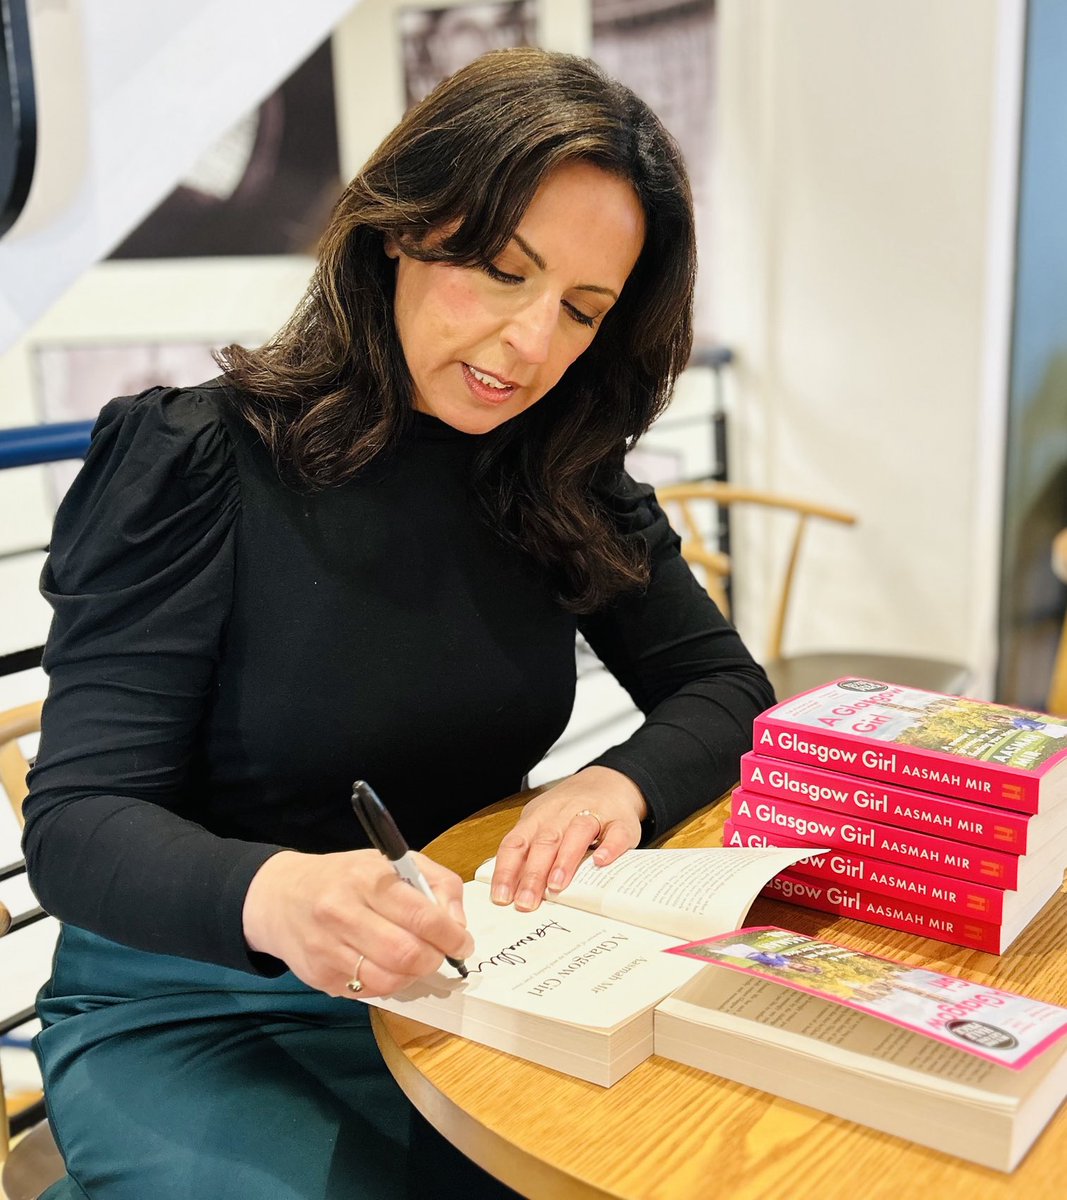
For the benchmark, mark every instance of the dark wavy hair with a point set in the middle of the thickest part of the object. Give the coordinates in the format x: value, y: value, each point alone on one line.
x: 331, y: 389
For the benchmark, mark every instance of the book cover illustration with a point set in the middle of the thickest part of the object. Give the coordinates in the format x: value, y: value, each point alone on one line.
x: 998, y: 1026
x: 956, y: 725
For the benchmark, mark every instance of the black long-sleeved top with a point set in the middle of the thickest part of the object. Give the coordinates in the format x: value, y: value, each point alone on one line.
x: 227, y: 654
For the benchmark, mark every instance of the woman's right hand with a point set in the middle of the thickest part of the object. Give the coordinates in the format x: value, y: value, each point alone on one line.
x: 329, y: 917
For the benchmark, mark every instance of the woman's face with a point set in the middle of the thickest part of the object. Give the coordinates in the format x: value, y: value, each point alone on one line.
x: 483, y: 343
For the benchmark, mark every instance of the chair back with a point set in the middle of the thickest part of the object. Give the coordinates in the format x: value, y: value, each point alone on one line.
x: 29, y: 1159
x: 685, y: 499
x: 791, y: 674
x: 14, y: 724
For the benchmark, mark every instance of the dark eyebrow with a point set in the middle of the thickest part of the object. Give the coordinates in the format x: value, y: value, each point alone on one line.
x: 539, y: 262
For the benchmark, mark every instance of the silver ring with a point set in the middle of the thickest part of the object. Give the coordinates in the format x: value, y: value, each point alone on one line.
x: 354, y: 985
x: 588, y: 812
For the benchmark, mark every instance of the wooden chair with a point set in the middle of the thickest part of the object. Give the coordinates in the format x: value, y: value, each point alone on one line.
x: 29, y: 1159
x: 14, y: 724
x: 791, y: 673
x: 1057, y: 691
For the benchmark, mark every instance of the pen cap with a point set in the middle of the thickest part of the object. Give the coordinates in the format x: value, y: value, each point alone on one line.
x: 377, y: 821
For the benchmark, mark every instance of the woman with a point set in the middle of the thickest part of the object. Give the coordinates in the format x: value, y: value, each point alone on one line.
x: 364, y: 553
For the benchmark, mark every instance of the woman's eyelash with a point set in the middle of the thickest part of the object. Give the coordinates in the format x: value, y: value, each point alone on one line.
x: 579, y: 316
x: 499, y: 276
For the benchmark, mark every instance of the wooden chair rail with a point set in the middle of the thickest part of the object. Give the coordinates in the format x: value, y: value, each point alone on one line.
x: 16, y: 723
x: 718, y: 566
x: 29, y: 1158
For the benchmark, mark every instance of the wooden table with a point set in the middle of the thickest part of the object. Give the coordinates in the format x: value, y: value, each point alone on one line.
x: 670, y: 1131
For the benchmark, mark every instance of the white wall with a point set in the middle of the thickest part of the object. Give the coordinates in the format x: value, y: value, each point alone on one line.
x: 862, y: 261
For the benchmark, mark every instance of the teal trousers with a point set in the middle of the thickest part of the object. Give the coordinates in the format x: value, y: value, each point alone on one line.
x: 169, y: 1079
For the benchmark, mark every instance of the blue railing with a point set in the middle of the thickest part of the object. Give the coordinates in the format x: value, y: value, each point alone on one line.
x: 33, y: 444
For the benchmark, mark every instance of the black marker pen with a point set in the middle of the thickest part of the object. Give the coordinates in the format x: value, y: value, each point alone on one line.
x: 386, y: 837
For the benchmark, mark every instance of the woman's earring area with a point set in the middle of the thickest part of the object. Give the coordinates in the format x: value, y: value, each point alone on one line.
x: 354, y: 985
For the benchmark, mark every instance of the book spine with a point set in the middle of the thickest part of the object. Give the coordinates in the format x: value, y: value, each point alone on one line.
x: 909, y: 766
x: 938, y: 855
x: 886, y: 879
x: 961, y: 820
x: 881, y: 910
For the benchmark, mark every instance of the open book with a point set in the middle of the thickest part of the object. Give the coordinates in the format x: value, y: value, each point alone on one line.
x: 573, y: 984
x: 958, y: 1066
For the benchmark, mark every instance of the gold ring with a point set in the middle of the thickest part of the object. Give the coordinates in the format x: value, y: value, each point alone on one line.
x: 588, y: 812
x: 353, y: 985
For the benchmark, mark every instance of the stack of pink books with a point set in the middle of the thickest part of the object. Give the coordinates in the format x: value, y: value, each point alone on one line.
x: 940, y: 815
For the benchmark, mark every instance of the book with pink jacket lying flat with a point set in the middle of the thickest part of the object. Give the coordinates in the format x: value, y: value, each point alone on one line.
x: 981, y: 901
x: 961, y: 820
x: 962, y: 1067
x: 950, y: 745
x: 892, y: 912
x: 893, y: 843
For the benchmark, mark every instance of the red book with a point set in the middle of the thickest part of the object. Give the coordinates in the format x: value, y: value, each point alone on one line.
x: 892, y: 913
x: 950, y: 745
x: 960, y: 820
x: 978, y: 900
x: 940, y: 856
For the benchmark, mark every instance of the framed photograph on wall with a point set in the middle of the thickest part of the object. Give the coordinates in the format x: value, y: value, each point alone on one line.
x: 266, y: 187
x: 665, y: 51
x: 436, y: 42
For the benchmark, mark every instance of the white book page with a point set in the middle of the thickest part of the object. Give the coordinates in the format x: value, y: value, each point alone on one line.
x: 556, y: 962
x: 772, y: 1013
x: 685, y: 893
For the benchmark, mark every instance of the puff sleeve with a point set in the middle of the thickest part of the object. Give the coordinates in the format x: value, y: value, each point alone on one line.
x: 684, y: 666
x: 140, y: 578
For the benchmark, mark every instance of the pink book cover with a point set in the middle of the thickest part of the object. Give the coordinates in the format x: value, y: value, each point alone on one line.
x: 951, y: 745
x: 961, y: 896
x: 998, y: 1026
x: 817, y: 828
x: 886, y: 911
x: 961, y: 820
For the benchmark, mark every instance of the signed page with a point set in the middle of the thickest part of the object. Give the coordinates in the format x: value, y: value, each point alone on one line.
x: 557, y: 963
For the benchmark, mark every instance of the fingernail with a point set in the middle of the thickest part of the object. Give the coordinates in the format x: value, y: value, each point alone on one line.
x: 501, y: 894
x: 601, y: 857
x: 455, y: 910
x: 555, y: 880
x: 526, y: 900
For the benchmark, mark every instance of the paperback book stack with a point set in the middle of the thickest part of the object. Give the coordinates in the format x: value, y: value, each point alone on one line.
x: 939, y: 815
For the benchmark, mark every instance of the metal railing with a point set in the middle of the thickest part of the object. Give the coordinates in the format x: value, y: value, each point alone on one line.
x: 31, y: 445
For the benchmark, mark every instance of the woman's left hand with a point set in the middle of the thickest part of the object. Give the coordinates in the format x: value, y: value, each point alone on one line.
x: 557, y: 828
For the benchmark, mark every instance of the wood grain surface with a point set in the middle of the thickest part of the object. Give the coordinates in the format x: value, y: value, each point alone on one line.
x: 670, y: 1132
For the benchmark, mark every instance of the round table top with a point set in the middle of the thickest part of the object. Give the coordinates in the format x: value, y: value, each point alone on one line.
x: 668, y: 1131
